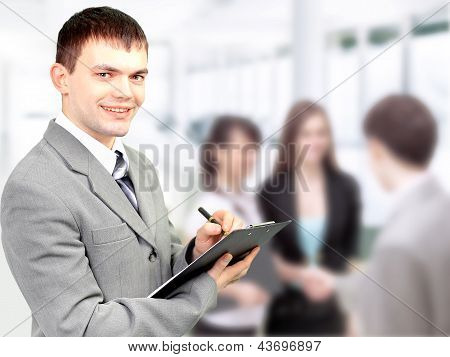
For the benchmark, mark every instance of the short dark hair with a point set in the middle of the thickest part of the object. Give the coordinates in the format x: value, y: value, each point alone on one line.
x: 405, y: 125
x: 96, y: 23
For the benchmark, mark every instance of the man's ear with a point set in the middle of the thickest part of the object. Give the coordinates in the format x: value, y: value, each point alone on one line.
x: 59, y: 76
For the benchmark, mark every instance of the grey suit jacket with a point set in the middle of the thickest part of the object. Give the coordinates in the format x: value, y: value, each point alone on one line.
x: 84, y: 259
x: 407, y: 289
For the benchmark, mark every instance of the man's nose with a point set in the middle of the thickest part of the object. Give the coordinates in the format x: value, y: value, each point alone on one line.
x: 122, y: 88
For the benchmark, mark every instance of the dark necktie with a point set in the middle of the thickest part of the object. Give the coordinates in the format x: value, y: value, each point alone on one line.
x: 120, y: 174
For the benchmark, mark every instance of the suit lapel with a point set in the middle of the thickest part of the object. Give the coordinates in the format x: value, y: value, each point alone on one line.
x: 107, y: 189
x: 144, y: 193
x: 103, y: 185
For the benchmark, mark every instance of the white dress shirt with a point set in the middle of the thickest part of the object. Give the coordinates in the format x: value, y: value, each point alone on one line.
x: 107, y: 157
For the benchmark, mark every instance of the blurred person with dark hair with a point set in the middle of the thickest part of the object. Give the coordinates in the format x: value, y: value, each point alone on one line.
x: 308, y: 185
x: 405, y: 290
x: 228, y: 158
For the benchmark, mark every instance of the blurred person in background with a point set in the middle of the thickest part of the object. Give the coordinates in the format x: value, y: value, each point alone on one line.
x: 308, y: 186
x: 228, y: 158
x: 405, y: 290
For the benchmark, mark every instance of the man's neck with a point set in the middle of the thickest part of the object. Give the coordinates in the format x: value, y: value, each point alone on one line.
x: 404, y: 176
x: 108, y: 141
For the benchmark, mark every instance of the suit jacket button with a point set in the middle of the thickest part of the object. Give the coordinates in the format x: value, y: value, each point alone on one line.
x: 152, y: 256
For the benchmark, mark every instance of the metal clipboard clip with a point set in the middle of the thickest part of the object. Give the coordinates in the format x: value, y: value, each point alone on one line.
x: 260, y: 224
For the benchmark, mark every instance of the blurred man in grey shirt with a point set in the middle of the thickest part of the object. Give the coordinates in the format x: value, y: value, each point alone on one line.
x: 405, y: 289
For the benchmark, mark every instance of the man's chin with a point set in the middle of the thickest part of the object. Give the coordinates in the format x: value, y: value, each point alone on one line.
x: 116, y: 131
x: 120, y: 133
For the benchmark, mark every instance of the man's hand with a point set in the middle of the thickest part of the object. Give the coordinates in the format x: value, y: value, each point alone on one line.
x: 210, y: 233
x: 224, y: 275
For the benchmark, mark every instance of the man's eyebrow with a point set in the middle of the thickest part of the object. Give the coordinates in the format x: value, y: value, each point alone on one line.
x: 105, y: 67
x: 141, y: 71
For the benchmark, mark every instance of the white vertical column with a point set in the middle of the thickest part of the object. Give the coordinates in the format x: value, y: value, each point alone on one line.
x: 308, y: 49
x: 178, y: 89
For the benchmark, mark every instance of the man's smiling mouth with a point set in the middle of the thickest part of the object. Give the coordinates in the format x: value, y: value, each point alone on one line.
x: 117, y: 109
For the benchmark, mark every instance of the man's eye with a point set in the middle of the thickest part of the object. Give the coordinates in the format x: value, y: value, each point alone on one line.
x: 138, y: 77
x: 103, y: 75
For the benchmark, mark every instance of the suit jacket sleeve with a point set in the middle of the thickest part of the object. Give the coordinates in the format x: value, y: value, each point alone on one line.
x: 41, y: 239
x: 181, y: 255
x: 390, y: 299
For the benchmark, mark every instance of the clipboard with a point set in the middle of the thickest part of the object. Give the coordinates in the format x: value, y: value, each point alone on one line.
x: 239, y: 243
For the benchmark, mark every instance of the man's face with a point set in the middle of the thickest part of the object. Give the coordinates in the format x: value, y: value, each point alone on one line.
x: 106, y: 89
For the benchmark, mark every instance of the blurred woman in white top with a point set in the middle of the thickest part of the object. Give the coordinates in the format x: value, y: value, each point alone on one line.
x: 227, y: 159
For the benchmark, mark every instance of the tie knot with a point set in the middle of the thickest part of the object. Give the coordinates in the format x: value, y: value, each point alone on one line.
x: 120, y: 170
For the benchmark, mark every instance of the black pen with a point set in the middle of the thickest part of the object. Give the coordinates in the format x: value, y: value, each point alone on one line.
x: 209, y: 217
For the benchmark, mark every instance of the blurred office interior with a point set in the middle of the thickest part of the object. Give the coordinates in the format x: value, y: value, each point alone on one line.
x: 245, y: 57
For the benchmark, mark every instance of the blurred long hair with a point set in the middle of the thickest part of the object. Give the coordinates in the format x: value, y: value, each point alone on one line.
x: 296, y: 117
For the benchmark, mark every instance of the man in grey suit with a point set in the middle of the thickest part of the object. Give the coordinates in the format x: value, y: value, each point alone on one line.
x: 405, y: 289
x: 84, y: 225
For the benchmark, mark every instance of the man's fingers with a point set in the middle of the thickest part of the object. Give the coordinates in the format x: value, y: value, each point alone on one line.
x: 233, y: 270
x: 226, y: 218
x: 241, y: 274
x: 218, y: 215
x: 227, y: 223
x: 220, y: 265
x: 207, y: 230
x: 233, y: 281
x: 212, y: 229
x: 242, y: 265
x: 229, y: 274
x: 237, y: 224
x: 249, y: 258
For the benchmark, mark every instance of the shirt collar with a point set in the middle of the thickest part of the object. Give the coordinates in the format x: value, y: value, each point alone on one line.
x: 107, y: 157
